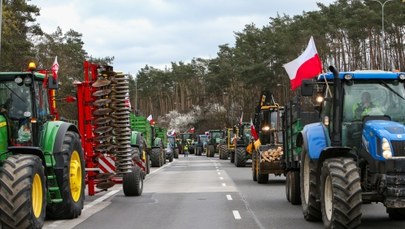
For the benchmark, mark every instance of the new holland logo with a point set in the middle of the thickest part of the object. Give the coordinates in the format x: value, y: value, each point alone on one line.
x: 399, y: 135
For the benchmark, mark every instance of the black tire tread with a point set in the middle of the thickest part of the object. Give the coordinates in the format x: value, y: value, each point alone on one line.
x: 155, y: 157
x: 68, y: 209
x: 312, y: 209
x: 16, y: 179
x: 132, y: 184
x: 346, y: 191
x: 240, y: 157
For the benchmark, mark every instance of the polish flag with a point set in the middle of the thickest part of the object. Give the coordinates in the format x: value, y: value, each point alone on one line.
x: 55, y: 68
x: 150, y: 119
x: 191, y: 130
x: 306, y: 66
x: 253, y: 130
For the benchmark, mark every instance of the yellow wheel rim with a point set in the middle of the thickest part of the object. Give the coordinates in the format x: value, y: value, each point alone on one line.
x: 76, y: 176
x: 37, y: 195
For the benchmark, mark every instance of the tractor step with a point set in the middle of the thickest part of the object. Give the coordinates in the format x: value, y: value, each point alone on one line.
x: 56, y: 201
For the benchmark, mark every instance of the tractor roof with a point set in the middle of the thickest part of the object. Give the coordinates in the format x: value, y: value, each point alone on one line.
x: 365, y: 75
x: 12, y: 75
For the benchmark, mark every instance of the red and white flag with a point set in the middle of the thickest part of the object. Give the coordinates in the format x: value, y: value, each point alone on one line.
x: 55, y: 68
x: 306, y: 66
x: 150, y: 119
x: 253, y: 130
x: 191, y: 130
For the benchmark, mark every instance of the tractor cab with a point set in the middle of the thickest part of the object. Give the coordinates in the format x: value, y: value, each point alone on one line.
x: 24, y: 106
x: 365, y: 109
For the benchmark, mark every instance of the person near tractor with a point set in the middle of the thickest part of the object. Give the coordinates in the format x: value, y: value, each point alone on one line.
x: 364, y: 107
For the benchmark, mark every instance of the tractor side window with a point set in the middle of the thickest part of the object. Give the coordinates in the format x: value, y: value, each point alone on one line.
x: 42, y: 104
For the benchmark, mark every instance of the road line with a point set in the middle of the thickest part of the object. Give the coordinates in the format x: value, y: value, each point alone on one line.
x: 219, y: 173
x: 236, y: 214
x: 221, y: 178
x: 229, y: 197
x: 101, y: 199
x: 223, y: 184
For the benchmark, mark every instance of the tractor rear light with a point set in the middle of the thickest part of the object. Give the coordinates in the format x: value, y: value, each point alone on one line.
x: 266, y: 128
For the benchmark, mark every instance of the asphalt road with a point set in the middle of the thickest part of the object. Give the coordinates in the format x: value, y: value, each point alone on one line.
x: 200, y: 192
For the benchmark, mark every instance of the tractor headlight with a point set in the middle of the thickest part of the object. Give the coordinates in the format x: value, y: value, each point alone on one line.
x: 266, y: 128
x: 386, y: 148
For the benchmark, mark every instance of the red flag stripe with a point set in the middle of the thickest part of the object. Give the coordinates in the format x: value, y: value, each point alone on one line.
x: 308, y: 69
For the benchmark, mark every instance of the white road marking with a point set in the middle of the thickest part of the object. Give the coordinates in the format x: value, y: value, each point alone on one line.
x: 219, y: 173
x: 223, y: 184
x: 236, y: 214
x: 101, y: 199
x: 221, y: 178
x: 229, y: 197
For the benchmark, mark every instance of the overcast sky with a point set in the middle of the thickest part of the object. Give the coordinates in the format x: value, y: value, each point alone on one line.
x: 158, y: 32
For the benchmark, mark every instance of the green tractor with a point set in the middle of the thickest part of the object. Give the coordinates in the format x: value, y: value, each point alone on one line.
x: 173, y: 146
x: 154, y: 144
x: 215, y: 138
x: 242, y: 152
x: 42, y: 163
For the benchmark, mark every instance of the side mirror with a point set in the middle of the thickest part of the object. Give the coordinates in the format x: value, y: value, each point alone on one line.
x: 307, y: 88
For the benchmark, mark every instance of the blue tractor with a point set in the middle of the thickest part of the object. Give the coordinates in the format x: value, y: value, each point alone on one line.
x: 356, y: 153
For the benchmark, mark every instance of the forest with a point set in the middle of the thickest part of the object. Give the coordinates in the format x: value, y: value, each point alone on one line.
x: 213, y: 93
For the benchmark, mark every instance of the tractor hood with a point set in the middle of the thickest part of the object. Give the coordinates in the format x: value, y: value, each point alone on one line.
x: 376, y: 132
x: 388, y: 129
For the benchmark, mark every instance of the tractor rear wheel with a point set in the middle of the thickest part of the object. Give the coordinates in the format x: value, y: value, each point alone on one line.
x: 309, y: 188
x: 22, y: 192
x: 155, y: 157
x: 70, y: 179
x: 240, y: 157
x: 340, y: 193
x: 132, y: 182
x: 171, y: 157
x: 210, y: 151
x: 232, y: 157
x: 288, y: 186
x: 176, y: 153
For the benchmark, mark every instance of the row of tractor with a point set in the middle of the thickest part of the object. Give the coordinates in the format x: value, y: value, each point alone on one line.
x: 46, y: 162
x: 340, y: 143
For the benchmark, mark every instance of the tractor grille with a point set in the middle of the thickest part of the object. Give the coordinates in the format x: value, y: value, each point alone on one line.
x: 399, y: 148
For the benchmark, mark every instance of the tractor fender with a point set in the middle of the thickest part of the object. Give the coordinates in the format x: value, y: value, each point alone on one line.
x: 314, y: 138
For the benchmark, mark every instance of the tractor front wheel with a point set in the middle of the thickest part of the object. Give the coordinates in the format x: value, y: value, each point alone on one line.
x: 22, y: 192
x: 70, y: 176
x: 240, y: 157
x: 340, y: 193
x: 311, y: 208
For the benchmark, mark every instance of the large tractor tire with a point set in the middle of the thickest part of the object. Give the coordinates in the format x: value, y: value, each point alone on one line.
x: 22, y: 192
x: 176, y: 153
x: 163, y: 156
x: 223, y: 152
x: 132, y: 183
x: 156, y: 158
x: 70, y: 175
x: 240, y: 157
x: 309, y: 189
x: 340, y: 193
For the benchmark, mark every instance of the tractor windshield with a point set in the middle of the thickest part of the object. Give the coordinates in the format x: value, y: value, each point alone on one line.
x: 15, y: 104
x: 379, y: 98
